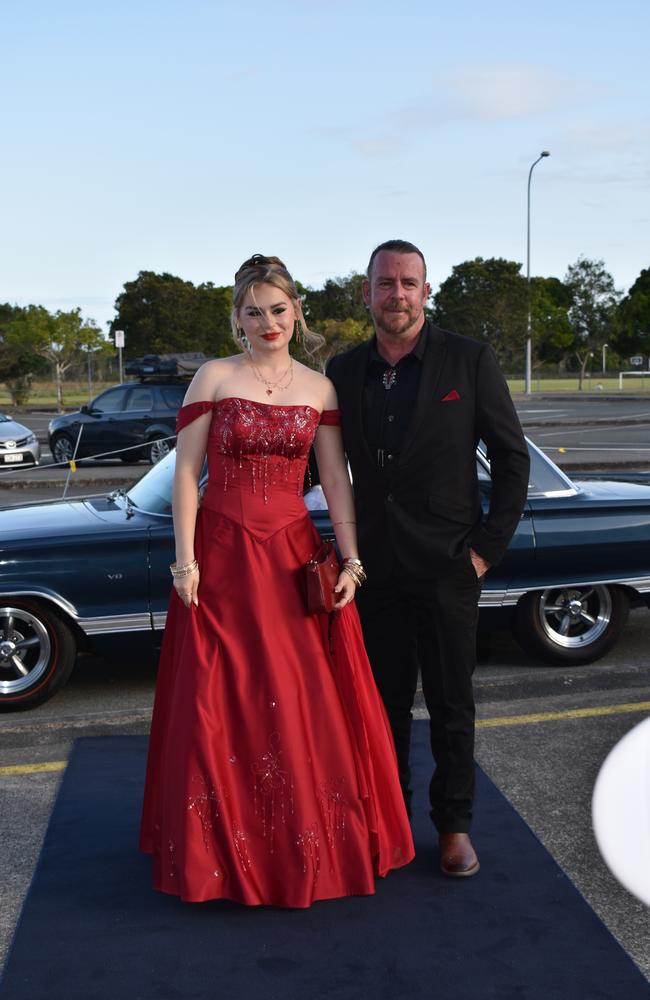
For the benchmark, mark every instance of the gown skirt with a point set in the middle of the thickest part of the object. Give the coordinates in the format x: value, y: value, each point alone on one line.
x: 271, y: 775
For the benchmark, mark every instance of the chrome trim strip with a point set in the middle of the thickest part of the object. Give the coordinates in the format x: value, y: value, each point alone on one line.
x: 158, y: 619
x: 116, y: 623
x: 492, y: 598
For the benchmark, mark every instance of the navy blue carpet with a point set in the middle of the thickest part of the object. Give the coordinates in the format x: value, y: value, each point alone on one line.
x: 92, y: 927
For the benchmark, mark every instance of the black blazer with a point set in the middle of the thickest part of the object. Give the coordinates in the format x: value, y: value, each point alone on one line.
x: 427, y: 510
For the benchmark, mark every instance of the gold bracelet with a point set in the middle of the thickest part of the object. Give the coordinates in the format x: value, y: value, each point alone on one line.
x: 178, y: 572
x: 334, y: 523
x: 359, y: 577
x: 180, y: 569
x: 357, y: 566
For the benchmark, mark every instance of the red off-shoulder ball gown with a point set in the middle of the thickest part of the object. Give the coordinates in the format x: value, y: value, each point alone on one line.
x: 271, y: 776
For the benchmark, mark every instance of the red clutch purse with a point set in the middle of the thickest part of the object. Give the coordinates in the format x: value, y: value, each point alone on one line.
x: 321, y: 575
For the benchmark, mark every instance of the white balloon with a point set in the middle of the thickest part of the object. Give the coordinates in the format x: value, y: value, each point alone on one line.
x: 620, y: 811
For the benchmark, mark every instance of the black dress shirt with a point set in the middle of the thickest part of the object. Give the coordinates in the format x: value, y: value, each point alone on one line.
x: 387, y: 411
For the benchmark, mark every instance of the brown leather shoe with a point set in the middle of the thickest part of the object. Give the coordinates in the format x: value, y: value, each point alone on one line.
x: 457, y: 856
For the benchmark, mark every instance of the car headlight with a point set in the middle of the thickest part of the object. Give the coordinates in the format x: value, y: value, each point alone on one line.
x: 32, y: 439
x: 49, y: 427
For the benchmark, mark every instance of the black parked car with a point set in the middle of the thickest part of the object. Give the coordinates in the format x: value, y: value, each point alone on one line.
x: 136, y: 420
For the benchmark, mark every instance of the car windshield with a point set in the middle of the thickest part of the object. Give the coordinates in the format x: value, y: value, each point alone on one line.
x: 153, y: 493
x: 545, y: 477
x: 4, y: 419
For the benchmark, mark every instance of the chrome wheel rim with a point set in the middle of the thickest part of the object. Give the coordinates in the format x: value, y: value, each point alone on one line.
x: 158, y: 449
x: 25, y: 650
x: 573, y: 617
x: 62, y: 450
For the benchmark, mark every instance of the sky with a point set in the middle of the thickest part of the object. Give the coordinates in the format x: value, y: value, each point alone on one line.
x: 181, y: 137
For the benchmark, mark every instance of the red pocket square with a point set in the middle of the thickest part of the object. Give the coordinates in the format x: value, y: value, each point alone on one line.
x: 450, y: 395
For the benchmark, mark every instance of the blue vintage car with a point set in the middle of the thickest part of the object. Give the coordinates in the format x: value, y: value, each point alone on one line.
x: 93, y: 575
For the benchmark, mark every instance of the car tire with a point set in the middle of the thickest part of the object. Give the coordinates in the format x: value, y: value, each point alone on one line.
x: 571, y: 625
x: 44, y: 645
x: 62, y: 448
x: 158, y: 448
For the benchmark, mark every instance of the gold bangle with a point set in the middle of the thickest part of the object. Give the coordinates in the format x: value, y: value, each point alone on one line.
x: 187, y: 565
x: 354, y: 574
x: 357, y: 568
x: 178, y: 572
x: 334, y: 523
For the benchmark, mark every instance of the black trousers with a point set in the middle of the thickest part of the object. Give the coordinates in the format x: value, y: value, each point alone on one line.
x: 429, y: 626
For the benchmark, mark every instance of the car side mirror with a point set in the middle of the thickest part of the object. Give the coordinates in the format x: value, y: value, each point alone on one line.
x: 84, y: 409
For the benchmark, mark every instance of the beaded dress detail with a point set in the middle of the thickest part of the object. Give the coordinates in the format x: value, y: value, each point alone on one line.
x: 271, y: 776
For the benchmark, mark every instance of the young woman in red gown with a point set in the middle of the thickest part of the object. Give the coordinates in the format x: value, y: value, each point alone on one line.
x: 271, y: 776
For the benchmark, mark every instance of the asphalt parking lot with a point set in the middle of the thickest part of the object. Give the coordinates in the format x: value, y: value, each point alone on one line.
x: 543, y: 732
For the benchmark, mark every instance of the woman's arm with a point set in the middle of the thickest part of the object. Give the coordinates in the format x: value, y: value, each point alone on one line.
x: 335, y: 480
x: 191, y: 444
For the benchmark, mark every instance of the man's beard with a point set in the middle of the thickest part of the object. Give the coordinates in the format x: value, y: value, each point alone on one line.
x: 394, y: 323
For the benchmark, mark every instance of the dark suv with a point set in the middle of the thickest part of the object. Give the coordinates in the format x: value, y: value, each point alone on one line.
x: 138, y: 416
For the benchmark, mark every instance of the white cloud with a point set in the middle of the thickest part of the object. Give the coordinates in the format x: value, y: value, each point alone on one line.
x: 468, y: 94
x: 513, y: 90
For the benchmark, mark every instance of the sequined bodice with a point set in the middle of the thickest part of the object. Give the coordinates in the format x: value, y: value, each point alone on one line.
x: 260, y: 447
x: 254, y: 432
x: 257, y: 454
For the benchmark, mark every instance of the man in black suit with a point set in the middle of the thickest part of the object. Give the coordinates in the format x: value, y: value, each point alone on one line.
x: 415, y: 400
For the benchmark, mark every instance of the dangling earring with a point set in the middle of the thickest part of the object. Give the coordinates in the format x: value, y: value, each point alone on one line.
x: 298, y: 332
x: 243, y: 339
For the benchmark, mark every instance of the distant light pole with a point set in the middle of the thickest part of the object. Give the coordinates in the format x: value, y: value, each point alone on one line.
x: 90, y: 372
x: 605, y: 346
x: 529, y: 346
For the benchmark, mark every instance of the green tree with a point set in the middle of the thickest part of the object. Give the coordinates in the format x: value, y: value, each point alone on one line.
x: 486, y: 300
x: 20, y: 361
x: 551, y: 330
x: 64, y: 340
x: 341, y: 335
x: 162, y: 314
x: 593, y: 309
x: 339, y: 299
x: 633, y: 331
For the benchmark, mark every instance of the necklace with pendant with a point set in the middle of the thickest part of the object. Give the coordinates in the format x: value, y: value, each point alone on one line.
x: 389, y: 378
x: 270, y: 386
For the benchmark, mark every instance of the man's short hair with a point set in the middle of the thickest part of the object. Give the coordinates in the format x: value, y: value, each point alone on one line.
x: 397, y: 246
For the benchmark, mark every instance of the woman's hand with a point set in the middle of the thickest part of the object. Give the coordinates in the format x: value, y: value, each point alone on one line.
x: 187, y: 588
x: 345, y: 589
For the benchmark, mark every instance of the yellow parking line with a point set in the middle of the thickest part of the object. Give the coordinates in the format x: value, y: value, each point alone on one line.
x: 50, y: 765
x: 497, y: 721
x: 572, y: 713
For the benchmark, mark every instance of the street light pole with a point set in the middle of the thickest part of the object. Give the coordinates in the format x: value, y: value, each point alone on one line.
x: 605, y: 346
x: 529, y: 346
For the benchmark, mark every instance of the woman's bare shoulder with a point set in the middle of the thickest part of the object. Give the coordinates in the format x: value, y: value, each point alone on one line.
x: 320, y: 387
x: 209, y: 377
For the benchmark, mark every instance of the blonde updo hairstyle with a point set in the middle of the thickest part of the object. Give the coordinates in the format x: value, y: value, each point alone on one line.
x: 261, y: 270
